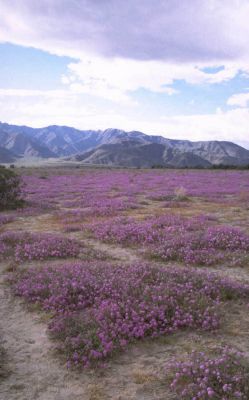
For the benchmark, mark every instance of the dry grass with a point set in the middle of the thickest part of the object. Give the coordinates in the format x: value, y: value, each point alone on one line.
x: 96, y: 392
x: 141, y: 377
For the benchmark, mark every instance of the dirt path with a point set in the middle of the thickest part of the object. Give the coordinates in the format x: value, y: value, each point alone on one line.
x: 36, y: 223
x: 119, y: 253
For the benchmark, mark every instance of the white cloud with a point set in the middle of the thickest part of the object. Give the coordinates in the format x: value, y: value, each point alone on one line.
x: 231, y: 125
x: 101, y: 89
x: 33, y: 93
x: 75, y: 111
x: 125, y: 46
x: 186, y: 30
x: 42, y: 108
x: 239, y: 100
x: 115, y: 79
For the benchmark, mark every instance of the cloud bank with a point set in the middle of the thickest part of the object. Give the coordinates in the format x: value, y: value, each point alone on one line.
x: 173, y: 30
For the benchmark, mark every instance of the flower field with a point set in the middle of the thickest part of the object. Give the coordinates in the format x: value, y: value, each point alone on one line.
x: 119, y: 261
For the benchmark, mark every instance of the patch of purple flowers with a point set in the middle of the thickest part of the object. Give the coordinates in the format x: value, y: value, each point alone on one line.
x: 36, y: 246
x: 194, y: 241
x: 5, y: 219
x: 129, y: 231
x: 224, y: 376
x: 215, y: 244
x: 99, y: 308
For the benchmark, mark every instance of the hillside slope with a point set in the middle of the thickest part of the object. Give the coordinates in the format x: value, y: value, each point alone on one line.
x: 117, y: 147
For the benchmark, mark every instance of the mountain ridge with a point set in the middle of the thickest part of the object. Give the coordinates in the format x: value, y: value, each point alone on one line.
x: 116, y: 147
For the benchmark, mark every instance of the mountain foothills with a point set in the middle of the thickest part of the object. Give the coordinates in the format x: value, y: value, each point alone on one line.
x: 114, y: 147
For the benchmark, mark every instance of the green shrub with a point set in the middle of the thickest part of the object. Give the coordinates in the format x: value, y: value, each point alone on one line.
x: 10, y: 189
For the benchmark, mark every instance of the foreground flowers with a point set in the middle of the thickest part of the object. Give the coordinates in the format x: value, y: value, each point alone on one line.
x: 5, y: 219
x: 98, y: 308
x: 224, y: 376
x: 36, y: 246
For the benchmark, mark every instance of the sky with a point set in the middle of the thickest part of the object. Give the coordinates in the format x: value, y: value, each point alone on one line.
x: 177, y: 68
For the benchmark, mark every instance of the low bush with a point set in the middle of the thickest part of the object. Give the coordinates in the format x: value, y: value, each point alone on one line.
x: 10, y: 189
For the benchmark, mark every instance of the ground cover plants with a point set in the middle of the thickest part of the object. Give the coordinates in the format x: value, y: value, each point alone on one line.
x: 193, y: 241
x: 5, y: 219
x: 224, y: 375
x: 36, y: 246
x: 87, y: 189
x: 115, y: 259
x: 206, y: 246
x: 99, y: 309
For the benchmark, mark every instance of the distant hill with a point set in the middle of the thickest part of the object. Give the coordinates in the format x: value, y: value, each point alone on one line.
x: 132, y: 153
x: 116, y: 147
x: 20, y: 141
x: 6, y: 156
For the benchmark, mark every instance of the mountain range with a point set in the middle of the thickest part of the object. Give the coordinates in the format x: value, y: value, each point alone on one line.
x: 115, y: 147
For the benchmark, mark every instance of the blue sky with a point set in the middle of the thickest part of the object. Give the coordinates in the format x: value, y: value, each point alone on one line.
x: 28, y: 68
x: 179, y: 69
